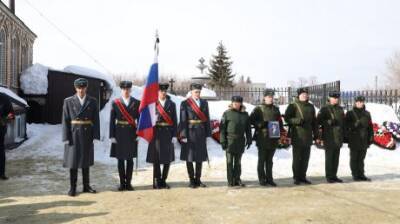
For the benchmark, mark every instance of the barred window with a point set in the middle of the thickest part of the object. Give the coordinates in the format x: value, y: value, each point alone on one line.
x: 3, y: 77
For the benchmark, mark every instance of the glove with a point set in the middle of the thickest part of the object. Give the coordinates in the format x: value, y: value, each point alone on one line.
x: 66, y: 142
x: 209, y: 141
x: 174, y: 140
x: 113, y: 140
x: 248, y: 144
x: 137, y: 138
x: 184, y: 140
x: 224, y: 145
x: 332, y: 122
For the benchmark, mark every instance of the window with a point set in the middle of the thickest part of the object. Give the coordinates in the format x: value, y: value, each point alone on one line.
x: 3, y: 77
x: 15, y: 66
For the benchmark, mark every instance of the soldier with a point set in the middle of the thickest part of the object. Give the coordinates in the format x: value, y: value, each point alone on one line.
x: 235, y: 135
x: 6, y: 113
x: 123, y: 116
x: 195, y: 132
x: 331, y: 119
x: 360, y: 137
x: 161, y: 148
x: 303, y: 129
x: 262, y: 118
x: 81, y: 126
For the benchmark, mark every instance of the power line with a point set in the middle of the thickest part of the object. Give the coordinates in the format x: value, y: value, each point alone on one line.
x: 80, y: 47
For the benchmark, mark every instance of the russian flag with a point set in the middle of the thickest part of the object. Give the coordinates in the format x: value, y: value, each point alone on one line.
x: 147, y: 108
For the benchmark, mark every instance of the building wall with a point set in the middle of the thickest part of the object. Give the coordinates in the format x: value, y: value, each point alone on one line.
x: 16, y: 48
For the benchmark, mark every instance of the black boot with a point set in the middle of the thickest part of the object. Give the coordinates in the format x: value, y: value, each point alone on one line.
x: 86, y: 183
x: 73, y: 178
x: 198, y: 182
x: 122, y: 175
x: 190, y: 170
x: 271, y: 183
x: 129, y: 171
x: 164, y: 176
x: 156, y: 176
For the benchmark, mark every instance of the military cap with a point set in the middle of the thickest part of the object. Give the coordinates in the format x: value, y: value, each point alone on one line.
x: 269, y: 92
x: 81, y: 82
x: 125, y: 84
x: 163, y: 86
x: 302, y: 90
x: 334, y: 94
x: 359, y: 99
x: 195, y: 86
x: 238, y: 99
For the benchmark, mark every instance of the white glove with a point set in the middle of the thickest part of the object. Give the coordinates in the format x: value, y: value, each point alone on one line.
x: 184, y: 140
x: 174, y: 140
x: 66, y: 142
x: 209, y: 141
x: 137, y: 138
x: 113, y: 140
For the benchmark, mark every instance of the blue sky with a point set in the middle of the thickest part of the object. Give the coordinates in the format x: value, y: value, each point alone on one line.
x: 270, y: 41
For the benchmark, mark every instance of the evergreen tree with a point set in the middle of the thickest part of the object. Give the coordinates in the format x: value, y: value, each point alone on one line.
x: 220, y: 71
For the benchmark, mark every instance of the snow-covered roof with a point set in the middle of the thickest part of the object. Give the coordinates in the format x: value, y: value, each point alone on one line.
x: 79, y: 70
x: 34, y: 79
x: 12, y: 95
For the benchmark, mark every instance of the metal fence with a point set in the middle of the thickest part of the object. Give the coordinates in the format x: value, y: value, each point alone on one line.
x: 387, y: 97
x: 284, y: 95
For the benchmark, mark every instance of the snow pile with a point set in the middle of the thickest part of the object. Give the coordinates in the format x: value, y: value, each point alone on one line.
x: 381, y: 113
x: 217, y: 108
x: 14, y: 96
x: 204, y: 93
x: 34, y: 80
x: 90, y: 73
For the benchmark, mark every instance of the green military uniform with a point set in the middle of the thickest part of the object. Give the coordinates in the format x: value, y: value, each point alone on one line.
x: 303, y: 129
x: 331, y: 120
x: 360, y: 136
x: 235, y: 134
x: 260, y: 117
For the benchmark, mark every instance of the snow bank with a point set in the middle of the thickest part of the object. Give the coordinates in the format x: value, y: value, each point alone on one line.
x: 217, y: 108
x: 381, y: 113
x: 90, y: 73
x: 34, y: 80
x: 204, y: 93
x: 11, y: 94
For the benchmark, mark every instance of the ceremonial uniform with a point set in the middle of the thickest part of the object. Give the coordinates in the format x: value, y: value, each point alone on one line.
x: 194, y: 128
x: 123, y: 116
x: 161, y: 148
x: 80, y: 126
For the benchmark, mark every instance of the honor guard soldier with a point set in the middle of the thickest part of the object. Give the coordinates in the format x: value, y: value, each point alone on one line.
x: 194, y: 131
x: 6, y: 113
x: 235, y: 135
x: 267, y: 121
x: 123, y: 119
x: 81, y: 126
x: 303, y: 129
x: 161, y: 148
x: 360, y: 137
x: 331, y: 120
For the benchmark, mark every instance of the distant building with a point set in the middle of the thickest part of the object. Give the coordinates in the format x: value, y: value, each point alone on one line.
x: 16, y: 53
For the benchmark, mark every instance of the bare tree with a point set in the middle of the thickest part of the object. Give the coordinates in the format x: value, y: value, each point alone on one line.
x: 393, y: 71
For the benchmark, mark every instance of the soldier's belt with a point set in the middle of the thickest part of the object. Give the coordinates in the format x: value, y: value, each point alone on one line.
x: 121, y: 122
x: 80, y: 122
x: 162, y: 124
x: 195, y: 122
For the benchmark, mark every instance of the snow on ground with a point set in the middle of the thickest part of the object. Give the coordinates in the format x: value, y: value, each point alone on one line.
x: 381, y: 113
x: 11, y: 94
